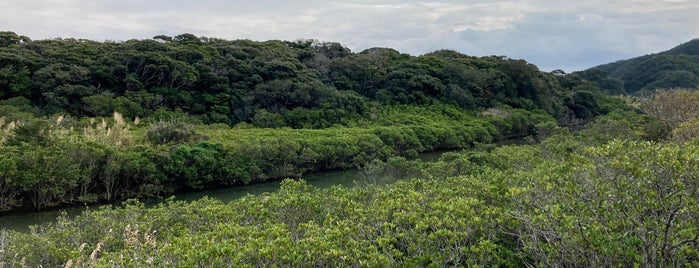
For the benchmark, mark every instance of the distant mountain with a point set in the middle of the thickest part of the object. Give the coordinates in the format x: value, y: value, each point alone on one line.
x: 677, y: 67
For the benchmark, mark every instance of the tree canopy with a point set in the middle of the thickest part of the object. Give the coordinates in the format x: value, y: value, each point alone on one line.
x: 222, y: 81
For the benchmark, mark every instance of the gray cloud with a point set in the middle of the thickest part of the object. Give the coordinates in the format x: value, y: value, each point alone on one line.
x: 569, y: 35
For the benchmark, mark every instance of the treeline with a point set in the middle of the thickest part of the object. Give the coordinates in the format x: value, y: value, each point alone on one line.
x: 601, y: 197
x: 61, y: 161
x: 674, y: 68
x: 300, y: 84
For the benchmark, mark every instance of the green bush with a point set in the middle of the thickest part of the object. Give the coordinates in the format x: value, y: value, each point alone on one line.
x: 171, y: 132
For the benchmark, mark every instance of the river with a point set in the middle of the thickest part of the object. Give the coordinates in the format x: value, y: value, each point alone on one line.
x: 325, y: 179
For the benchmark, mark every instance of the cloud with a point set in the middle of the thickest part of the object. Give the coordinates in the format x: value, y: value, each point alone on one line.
x: 570, y: 35
x: 574, y: 38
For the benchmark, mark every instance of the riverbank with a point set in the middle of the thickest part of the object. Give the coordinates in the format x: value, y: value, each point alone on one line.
x: 21, y: 221
x: 110, y: 162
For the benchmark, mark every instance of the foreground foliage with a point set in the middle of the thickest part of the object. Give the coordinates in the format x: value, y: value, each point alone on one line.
x: 562, y: 203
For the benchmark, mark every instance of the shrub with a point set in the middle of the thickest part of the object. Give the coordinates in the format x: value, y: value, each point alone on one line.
x: 171, y: 132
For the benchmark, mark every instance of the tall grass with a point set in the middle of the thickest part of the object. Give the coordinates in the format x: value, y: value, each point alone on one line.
x: 114, y: 133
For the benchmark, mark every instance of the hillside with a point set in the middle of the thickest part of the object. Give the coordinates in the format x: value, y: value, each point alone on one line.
x: 677, y: 67
x: 272, y: 84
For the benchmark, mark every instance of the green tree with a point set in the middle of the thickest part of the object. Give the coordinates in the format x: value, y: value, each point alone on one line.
x: 163, y: 132
x: 265, y: 119
x: 45, y: 176
x: 10, y: 189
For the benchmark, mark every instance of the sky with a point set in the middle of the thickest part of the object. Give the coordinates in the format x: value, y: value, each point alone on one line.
x: 552, y: 34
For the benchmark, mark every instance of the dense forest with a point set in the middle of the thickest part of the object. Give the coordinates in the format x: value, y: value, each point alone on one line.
x: 302, y: 84
x: 148, y: 118
x: 677, y: 67
x: 605, y: 180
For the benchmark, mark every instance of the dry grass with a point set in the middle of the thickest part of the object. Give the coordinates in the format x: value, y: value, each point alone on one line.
x: 6, y: 129
x: 117, y: 134
x: 495, y: 112
x: 96, y: 252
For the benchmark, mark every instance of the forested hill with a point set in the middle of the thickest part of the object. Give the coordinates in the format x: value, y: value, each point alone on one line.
x: 85, y: 122
x: 299, y: 84
x: 677, y: 67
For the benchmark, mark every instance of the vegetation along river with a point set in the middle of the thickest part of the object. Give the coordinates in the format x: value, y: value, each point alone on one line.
x: 347, y: 178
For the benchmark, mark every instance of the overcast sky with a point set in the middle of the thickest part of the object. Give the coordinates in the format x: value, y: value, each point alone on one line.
x: 553, y: 34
